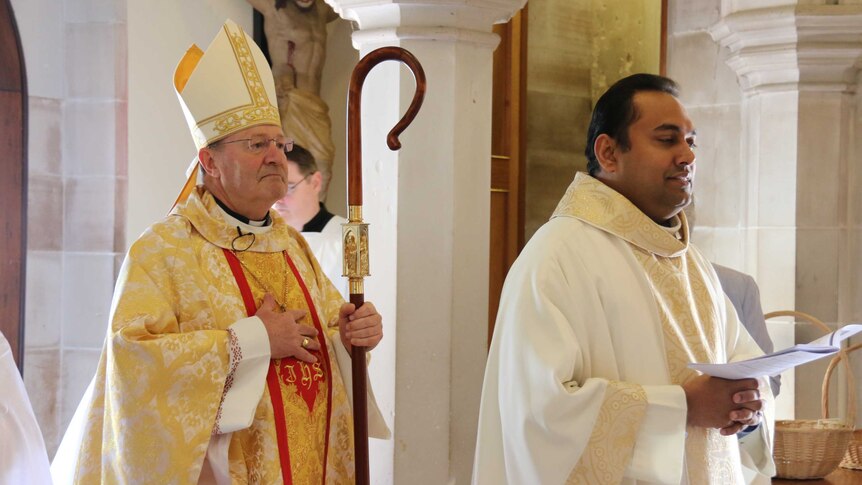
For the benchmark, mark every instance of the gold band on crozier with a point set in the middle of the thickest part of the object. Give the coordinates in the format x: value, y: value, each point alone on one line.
x: 354, y: 213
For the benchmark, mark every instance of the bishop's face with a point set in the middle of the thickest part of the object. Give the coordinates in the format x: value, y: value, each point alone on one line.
x: 247, y: 181
x: 656, y: 173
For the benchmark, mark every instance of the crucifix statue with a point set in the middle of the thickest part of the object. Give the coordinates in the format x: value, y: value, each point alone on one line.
x: 296, y: 36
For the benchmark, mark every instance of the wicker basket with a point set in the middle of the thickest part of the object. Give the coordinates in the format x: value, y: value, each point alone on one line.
x: 807, y: 449
x: 853, y: 457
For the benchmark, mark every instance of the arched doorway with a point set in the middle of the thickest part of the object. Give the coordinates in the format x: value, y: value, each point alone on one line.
x: 13, y: 183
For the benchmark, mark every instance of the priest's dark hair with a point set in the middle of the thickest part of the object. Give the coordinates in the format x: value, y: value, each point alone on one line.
x: 615, y: 111
x: 303, y: 159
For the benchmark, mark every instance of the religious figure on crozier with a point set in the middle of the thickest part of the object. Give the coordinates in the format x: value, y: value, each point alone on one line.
x: 363, y: 251
x: 350, y: 254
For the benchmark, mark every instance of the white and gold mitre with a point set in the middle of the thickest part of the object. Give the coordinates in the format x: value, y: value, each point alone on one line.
x: 226, y: 89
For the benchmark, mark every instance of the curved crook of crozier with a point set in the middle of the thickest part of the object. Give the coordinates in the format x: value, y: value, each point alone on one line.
x: 354, y: 131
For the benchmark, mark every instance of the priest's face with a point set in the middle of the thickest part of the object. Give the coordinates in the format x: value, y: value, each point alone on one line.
x: 656, y: 172
x: 301, y: 201
x: 248, y: 177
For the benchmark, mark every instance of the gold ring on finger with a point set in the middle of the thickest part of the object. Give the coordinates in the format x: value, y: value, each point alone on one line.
x: 305, y: 342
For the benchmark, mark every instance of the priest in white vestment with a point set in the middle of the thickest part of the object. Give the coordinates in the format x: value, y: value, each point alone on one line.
x: 302, y: 209
x: 587, y: 379
x: 23, y: 458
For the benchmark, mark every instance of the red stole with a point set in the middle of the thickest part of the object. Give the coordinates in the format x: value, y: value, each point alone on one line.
x: 288, y: 366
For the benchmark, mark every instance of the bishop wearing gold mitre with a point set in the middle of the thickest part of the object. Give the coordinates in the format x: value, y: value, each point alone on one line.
x: 227, y: 355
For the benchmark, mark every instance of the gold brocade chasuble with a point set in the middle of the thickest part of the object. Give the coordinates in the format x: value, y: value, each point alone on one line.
x: 162, y: 374
x: 686, y: 308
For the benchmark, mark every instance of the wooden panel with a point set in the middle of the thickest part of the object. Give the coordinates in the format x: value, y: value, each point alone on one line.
x: 507, y: 160
x: 10, y: 52
x: 13, y: 185
x: 501, y: 86
x: 662, y: 59
x: 497, y: 253
x: 500, y: 174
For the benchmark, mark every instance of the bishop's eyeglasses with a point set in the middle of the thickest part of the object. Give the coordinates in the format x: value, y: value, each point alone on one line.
x: 260, y: 143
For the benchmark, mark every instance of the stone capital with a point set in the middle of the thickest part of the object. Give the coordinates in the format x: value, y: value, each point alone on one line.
x: 389, y: 21
x: 793, y: 48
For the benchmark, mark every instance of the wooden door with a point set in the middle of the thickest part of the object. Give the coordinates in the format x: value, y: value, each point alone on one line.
x: 13, y: 182
x: 507, y: 156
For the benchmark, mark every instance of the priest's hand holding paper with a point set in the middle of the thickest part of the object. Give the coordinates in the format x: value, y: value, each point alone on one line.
x: 287, y: 337
x: 362, y: 327
x: 725, y: 404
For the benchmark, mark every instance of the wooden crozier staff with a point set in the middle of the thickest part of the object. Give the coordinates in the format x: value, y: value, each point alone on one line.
x: 355, y: 232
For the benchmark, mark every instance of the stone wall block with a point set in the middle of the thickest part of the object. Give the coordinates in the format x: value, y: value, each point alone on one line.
x: 90, y: 214
x: 45, y: 213
x: 699, y: 64
x: 45, y: 136
x: 88, y: 282
x: 44, y: 305
x: 817, y: 274
x: 776, y: 268
x: 42, y: 369
x: 96, y: 61
x: 692, y: 15
x: 729, y: 247
x: 91, y: 137
x: 41, y: 27
x: 822, y: 169
x: 776, y: 159
x: 79, y: 367
x: 82, y: 11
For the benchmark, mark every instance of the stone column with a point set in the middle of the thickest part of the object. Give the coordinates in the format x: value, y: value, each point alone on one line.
x: 429, y: 208
x: 797, y: 66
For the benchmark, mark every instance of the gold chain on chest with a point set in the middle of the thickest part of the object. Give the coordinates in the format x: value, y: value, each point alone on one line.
x: 247, y: 270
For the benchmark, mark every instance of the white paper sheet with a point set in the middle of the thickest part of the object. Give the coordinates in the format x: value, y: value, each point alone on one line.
x: 779, y: 361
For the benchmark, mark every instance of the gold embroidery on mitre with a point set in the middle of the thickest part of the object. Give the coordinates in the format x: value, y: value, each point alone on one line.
x: 260, y: 110
x: 612, y: 441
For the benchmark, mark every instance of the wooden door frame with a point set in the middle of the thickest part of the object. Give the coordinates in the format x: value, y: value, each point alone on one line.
x: 662, y: 60
x: 508, y: 154
x: 13, y: 183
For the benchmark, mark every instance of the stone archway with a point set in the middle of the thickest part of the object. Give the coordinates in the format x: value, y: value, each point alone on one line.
x: 13, y: 183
